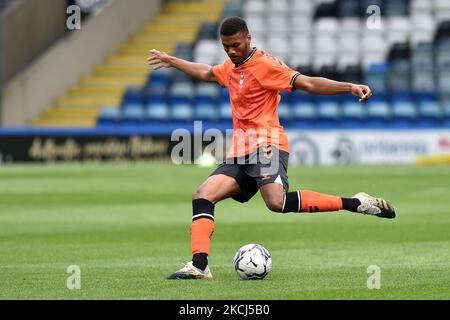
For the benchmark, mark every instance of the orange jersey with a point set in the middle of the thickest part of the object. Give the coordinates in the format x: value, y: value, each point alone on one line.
x: 254, y: 86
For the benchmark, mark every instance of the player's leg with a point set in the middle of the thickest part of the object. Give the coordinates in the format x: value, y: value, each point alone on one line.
x: 311, y: 201
x: 214, y: 189
x: 273, y: 183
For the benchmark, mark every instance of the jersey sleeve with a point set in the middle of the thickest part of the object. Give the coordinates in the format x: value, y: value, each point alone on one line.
x: 221, y: 74
x: 275, y: 75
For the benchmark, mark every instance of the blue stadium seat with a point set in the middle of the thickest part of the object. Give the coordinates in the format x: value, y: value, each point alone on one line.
x: 284, y: 113
x: 208, y: 30
x: 376, y: 77
x: 134, y: 98
x: 300, y: 96
x: 206, y: 111
x: 304, y: 115
x: 184, y: 51
x: 133, y: 116
x: 207, y: 92
x: 399, y: 76
x: 225, y: 118
x: 446, y: 114
x: 182, y: 92
x: 429, y: 113
x: 182, y: 112
x: 328, y: 114
x: 353, y: 115
x: 404, y: 113
x: 157, y: 112
x: 109, y: 116
x: 444, y: 82
x: 159, y: 83
x: 378, y: 113
x: 224, y: 95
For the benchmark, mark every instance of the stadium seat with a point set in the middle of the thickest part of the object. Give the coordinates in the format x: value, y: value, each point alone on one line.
x: 396, y: 8
x: 133, y: 116
x: 446, y: 113
x: 257, y: 25
x: 279, y: 7
x: 376, y: 77
x: 304, y: 115
x: 182, y: 91
x: 378, y: 113
x: 208, y: 31
x: 206, y: 51
x: 183, y: 51
x: 157, y: 112
x: 404, y: 112
x: 159, y: 83
x: 277, y: 25
x: 182, y: 112
x: 279, y: 47
x: 134, y: 97
x: 206, y: 111
x: 349, y: 8
x: 109, y: 116
x: 351, y: 25
x: 444, y: 82
x: 353, y: 115
x: 421, y: 6
x: 207, y: 92
x: 302, y: 8
x: 301, y: 26
x: 329, y: 26
x: 352, y: 73
x: 328, y: 112
x: 429, y: 114
x: 255, y: 7
x: 284, y: 113
x: 232, y: 9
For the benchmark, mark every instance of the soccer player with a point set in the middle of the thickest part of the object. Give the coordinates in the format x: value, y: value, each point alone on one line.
x: 258, y: 158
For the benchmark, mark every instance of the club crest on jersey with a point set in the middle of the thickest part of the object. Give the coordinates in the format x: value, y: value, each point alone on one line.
x: 241, y: 82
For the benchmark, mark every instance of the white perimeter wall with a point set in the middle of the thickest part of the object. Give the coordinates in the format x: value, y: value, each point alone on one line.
x: 338, y: 147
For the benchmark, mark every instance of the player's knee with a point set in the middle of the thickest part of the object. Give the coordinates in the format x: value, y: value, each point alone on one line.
x: 197, y: 195
x: 275, y: 205
x: 200, y: 194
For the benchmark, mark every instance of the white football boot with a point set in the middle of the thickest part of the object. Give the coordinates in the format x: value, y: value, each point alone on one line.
x: 375, y: 206
x: 189, y: 272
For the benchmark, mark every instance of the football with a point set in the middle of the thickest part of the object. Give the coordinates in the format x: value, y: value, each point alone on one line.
x: 252, y: 262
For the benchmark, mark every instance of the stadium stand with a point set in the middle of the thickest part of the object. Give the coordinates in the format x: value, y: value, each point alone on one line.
x: 5, y: 3
x: 405, y: 60
x: 121, y: 81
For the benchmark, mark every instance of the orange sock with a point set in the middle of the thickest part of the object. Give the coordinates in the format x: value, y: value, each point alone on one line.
x: 201, y: 233
x: 318, y: 202
x: 202, y: 226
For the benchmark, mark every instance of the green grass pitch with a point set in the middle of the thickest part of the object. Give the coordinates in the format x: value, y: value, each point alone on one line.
x: 127, y: 227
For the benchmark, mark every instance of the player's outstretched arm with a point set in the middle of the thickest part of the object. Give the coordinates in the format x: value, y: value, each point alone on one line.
x: 200, y: 71
x: 315, y: 85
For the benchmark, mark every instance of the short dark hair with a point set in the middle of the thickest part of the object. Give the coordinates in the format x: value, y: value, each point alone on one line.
x: 232, y: 25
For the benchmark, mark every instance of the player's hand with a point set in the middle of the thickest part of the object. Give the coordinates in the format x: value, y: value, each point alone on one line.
x: 363, y: 92
x: 158, y: 59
